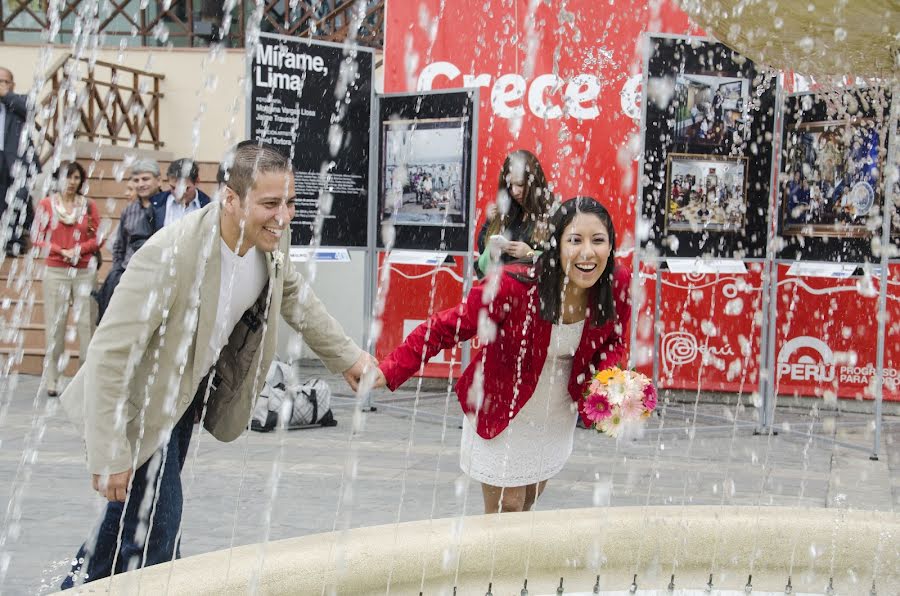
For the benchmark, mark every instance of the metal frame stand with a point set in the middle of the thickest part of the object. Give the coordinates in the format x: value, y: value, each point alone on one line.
x: 659, y: 262
x: 890, y: 188
x: 370, y: 405
x: 769, y: 392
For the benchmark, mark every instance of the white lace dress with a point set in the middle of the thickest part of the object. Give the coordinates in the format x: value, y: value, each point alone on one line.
x: 538, y: 441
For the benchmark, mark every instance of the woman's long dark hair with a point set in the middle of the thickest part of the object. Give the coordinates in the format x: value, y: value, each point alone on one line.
x: 536, y: 200
x: 548, y: 270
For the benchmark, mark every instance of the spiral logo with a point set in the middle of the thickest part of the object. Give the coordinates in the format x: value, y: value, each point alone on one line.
x: 679, y: 348
x: 694, y: 276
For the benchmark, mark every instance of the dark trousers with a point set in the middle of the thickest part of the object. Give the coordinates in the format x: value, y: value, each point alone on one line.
x: 19, y: 219
x: 144, y: 530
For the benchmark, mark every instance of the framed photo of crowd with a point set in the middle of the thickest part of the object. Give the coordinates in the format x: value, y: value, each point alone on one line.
x: 706, y: 169
x: 705, y: 193
x: 423, y: 162
x: 426, y: 147
x: 831, y: 189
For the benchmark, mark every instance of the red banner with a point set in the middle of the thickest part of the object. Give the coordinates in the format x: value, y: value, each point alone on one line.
x: 562, y: 79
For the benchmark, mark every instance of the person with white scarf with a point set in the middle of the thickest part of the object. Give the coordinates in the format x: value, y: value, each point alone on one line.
x: 67, y: 237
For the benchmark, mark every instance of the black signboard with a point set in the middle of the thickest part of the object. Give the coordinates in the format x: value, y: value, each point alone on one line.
x: 426, y: 154
x: 707, y: 159
x: 831, y: 189
x: 313, y: 100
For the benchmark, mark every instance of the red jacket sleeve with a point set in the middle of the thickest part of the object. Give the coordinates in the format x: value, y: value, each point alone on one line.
x: 614, y: 348
x: 44, y: 236
x: 444, y: 330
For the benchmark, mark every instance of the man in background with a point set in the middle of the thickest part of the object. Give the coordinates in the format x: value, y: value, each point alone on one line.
x: 183, y: 196
x: 18, y: 165
x: 136, y: 225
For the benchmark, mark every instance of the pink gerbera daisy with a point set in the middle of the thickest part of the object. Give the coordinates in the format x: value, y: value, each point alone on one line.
x: 597, y: 407
x: 650, y: 397
x: 631, y: 408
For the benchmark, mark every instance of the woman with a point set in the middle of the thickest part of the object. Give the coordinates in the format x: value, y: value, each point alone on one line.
x: 547, y: 328
x: 67, y: 235
x: 521, y: 217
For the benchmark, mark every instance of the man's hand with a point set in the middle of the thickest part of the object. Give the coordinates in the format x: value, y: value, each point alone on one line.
x: 380, y: 381
x: 366, y: 363
x: 113, y: 486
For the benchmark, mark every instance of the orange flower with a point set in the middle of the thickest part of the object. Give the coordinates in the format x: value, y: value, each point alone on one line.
x: 610, y: 374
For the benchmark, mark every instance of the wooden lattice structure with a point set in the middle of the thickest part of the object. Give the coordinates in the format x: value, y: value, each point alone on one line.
x: 98, y: 102
x: 195, y: 23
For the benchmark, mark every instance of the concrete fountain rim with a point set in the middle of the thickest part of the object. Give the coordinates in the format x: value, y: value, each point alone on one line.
x: 759, y: 540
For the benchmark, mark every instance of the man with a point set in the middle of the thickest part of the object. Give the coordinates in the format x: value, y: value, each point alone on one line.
x: 17, y: 166
x: 183, y: 196
x: 191, y: 325
x: 136, y: 225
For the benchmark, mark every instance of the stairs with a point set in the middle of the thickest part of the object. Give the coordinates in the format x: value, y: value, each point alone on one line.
x: 22, y: 316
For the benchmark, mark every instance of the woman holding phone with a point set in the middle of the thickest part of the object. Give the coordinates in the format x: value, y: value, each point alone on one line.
x: 516, y: 223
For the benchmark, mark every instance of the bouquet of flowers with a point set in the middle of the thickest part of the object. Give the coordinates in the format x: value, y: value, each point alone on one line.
x: 618, y: 401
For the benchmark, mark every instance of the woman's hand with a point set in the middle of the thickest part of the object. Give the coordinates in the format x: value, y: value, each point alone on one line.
x: 491, y: 211
x: 518, y: 250
x: 70, y: 255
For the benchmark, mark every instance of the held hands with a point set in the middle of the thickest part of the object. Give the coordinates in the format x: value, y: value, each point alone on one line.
x: 362, y: 373
x: 113, y: 486
x: 380, y: 381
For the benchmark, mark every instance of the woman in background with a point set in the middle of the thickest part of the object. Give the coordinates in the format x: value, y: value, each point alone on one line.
x: 519, y: 215
x: 67, y: 237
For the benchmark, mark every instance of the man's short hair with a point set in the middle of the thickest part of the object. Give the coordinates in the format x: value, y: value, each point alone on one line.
x: 183, y: 168
x: 144, y: 166
x: 249, y: 159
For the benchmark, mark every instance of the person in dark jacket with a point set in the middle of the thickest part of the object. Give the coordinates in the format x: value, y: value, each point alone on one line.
x: 519, y: 215
x: 136, y: 225
x: 183, y: 196
x: 18, y: 166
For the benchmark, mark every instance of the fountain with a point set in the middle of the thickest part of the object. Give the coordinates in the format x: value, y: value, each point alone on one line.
x: 644, y: 549
x: 718, y: 547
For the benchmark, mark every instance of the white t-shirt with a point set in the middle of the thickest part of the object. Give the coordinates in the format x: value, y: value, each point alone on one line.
x: 242, y: 281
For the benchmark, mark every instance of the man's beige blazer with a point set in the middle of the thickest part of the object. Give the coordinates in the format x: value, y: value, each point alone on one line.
x: 143, y: 366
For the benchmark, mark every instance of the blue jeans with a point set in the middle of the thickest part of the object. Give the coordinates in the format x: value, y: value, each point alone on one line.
x: 153, y: 509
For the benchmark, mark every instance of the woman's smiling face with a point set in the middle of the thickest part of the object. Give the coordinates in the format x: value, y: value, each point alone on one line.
x: 584, y: 250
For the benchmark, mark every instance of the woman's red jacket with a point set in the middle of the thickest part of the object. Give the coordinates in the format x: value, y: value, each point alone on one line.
x: 514, y: 339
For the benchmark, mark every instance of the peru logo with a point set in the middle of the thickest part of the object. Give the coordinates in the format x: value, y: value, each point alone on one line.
x: 806, y: 358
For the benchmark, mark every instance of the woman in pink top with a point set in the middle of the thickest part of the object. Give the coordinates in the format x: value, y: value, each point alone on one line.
x: 67, y: 237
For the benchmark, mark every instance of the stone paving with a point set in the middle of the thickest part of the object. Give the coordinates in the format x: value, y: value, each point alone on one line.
x: 397, y: 467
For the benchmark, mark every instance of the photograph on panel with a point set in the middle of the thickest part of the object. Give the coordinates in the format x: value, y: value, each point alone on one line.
x: 423, y: 163
x: 705, y: 192
x: 709, y: 110
x: 830, y: 183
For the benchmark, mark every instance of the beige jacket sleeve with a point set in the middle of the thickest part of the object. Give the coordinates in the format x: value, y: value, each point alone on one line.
x: 117, y: 349
x: 306, y: 314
